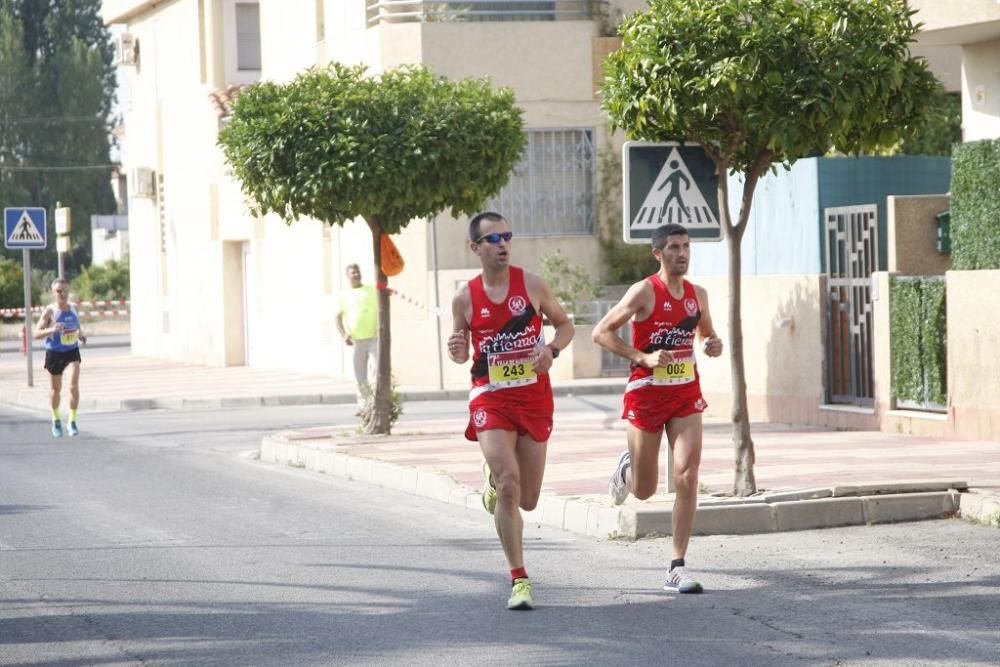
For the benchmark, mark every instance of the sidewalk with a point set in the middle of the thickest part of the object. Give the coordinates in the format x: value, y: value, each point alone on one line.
x: 809, y: 477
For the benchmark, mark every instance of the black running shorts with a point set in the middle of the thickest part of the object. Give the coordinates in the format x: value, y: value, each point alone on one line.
x: 56, y: 362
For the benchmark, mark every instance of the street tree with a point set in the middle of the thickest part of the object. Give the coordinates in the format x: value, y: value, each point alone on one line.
x: 336, y: 144
x: 57, y: 91
x: 761, y: 83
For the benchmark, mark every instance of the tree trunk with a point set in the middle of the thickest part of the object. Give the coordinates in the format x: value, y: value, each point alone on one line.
x: 744, y: 483
x: 379, y: 422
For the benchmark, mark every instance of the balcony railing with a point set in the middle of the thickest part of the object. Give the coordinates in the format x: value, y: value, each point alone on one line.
x: 404, y: 11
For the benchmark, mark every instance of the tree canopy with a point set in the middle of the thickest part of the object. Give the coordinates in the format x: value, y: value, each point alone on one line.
x: 57, y: 89
x: 335, y: 144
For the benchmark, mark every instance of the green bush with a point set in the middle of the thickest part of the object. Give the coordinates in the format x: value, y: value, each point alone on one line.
x: 11, y: 283
x: 975, y: 206
x: 104, y: 281
x: 918, y: 331
x: 570, y: 282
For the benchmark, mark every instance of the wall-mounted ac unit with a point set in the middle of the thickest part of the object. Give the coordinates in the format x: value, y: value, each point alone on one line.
x: 142, y: 182
x: 128, y: 49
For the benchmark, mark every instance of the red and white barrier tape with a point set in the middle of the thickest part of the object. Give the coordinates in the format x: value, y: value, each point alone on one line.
x: 433, y: 310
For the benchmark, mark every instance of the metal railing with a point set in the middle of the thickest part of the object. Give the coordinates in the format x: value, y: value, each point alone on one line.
x: 404, y: 11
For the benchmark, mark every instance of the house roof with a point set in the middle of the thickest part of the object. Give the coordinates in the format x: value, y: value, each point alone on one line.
x: 223, y: 99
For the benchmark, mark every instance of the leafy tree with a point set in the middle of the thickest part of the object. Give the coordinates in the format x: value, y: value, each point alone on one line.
x: 570, y: 282
x: 108, y: 281
x: 941, y: 131
x: 336, y: 144
x: 11, y: 284
x: 760, y: 83
x: 57, y: 89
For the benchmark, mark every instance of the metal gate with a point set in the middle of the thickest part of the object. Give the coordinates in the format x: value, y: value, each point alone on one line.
x: 851, y: 257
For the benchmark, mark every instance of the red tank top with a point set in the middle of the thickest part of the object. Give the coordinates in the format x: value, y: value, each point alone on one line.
x: 504, y: 338
x: 670, y: 326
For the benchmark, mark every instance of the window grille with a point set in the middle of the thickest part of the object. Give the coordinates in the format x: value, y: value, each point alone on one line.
x: 552, y: 190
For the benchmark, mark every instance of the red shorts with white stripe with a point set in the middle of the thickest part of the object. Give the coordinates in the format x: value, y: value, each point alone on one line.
x: 506, y: 411
x: 650, y: 408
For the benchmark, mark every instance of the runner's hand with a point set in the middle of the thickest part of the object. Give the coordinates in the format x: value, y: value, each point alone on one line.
x: 656, y: 359
x: 713, y: 346
x: 458, y: 345
x: 542, y: 361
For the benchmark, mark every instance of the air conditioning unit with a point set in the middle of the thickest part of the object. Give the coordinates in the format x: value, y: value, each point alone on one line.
x: 143, y: 183
x: 128, y: 49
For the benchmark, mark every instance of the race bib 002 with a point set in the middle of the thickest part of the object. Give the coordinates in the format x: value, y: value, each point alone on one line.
x: 677, y: 371
x: 511, y: 369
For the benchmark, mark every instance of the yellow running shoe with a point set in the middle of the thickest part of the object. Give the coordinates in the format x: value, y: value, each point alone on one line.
x: 520, y: 595
x: 489, y: 490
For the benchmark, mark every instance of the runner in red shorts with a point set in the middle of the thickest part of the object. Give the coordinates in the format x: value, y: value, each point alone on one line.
x: 663, y: 392
x: 510, y: 405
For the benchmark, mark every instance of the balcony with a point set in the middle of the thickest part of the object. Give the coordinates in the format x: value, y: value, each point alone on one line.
x: 455, y: 11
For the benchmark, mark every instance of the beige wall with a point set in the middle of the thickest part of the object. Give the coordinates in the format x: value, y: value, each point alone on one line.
x: 981, y: 90
x: 974, y: 353
x: 912, y: 226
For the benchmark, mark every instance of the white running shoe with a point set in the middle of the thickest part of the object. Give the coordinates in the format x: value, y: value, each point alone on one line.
x: 617, y: 487
x: 680, y: 580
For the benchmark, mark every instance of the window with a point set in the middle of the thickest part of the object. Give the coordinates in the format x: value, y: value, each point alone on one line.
x: 552, y: 191
x: 247, y: 36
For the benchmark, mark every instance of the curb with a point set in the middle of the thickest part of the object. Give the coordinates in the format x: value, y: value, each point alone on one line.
x: 593, y: 516
x: 981, y: 506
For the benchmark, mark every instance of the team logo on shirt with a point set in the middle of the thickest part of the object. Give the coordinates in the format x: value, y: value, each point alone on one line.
x: 484, y: 312
x: 479, y: 418
x: 667, y: 307
x: 517, y: 304
x: 700, y: 404
x: 691, y: 306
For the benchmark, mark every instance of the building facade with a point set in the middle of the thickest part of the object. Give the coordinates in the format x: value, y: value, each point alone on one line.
x: 214, y: 283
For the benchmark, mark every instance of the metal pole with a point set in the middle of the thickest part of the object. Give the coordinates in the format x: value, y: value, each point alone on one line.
x: 28, y: 328
x: 60, y: 264
x: 437, y: 300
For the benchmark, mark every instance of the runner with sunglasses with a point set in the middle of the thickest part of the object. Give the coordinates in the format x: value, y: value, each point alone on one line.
x: 510, y: 406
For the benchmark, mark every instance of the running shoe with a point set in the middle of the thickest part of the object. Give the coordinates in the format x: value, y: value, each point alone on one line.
x: 520, y: 595
x: 73, y: 430
x: 617, y: 487
x: 680, y: 580
x: 57, y: 431
x: 489, y: 490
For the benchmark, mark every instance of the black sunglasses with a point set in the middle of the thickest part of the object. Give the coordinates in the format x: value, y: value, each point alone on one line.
x: 495, y: 237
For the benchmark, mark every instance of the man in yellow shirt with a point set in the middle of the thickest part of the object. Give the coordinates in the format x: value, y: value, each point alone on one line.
x: 357, y: 322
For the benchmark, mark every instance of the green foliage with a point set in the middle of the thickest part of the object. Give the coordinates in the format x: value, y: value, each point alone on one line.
x: 621, y: 263
x: 57, y: 90
x: 761, y: 82
x: 975, y: 206
x: 367, y: 411
x: 570, y: 282
x: 918, y: 329
x: 940, y: 131
x: 11, y: 284
x: 103, y: 281
x: 336, y: 143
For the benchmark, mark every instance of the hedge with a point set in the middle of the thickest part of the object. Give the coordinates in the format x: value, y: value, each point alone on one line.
x: 918, y: 330
x: 975, y: 206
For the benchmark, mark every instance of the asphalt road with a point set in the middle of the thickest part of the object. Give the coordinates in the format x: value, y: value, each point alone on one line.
x: 153, y: 539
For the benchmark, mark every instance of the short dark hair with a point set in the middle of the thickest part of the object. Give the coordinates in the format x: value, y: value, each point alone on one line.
x: 477, y: 222
x: 660, y: 234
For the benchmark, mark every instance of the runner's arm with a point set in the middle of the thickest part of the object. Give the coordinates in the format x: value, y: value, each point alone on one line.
x: 461, y: 310
x: 550, y: 307
x: 712, y: 342
x: 42, y: 329
x: 635, y: 301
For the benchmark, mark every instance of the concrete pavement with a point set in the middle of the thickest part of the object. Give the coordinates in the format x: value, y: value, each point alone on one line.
x: 809, y: 477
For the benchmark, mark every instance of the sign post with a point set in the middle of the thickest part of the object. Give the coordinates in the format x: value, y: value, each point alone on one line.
x: 24, y: 228
x: 669, y: 182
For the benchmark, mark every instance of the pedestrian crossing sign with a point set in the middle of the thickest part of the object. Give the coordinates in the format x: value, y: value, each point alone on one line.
x: 24, y: 227
x: 669, y: 182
